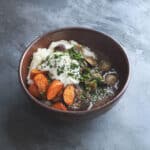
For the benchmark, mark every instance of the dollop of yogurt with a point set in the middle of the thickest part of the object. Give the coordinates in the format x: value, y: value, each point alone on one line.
x: 58, y: 64
x: 61, y: 67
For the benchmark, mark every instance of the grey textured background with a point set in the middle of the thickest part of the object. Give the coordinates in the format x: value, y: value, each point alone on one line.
x: 126, y: 126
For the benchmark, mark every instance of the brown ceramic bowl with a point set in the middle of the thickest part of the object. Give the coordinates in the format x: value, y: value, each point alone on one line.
x: 99, y: 43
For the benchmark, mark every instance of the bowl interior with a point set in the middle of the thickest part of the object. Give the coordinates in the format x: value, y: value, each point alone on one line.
x: 98, y: 42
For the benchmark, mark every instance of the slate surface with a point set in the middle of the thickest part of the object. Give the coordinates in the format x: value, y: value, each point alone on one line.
x: 126, y: 126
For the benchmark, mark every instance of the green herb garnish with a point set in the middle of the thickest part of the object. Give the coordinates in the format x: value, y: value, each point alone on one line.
x: 60, y: 70
x: 57, y: 56
x: 70, y: 74
x: 75, y: 54
x: 73, y: 66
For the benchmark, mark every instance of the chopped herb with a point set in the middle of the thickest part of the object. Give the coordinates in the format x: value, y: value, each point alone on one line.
x: 86, y: 70
x: 57, y: 56
x: 70, y: 74
x: 50, y: 77
x: 60, y: 70
x: 85, y: 77
x: 47, y: 58
x: 83, y: 96
x: 49, y: 64
x: 73, y: 66
x: 75, y: 55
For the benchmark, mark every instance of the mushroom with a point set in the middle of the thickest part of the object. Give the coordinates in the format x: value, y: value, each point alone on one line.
x: 91, y: 61
x: 111, y: 79
x: 98, y: 75
x: 91, y: 84
x: 99, y: 78
x: 104, y: 65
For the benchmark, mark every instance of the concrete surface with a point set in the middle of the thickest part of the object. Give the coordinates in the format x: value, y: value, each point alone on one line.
x: 126, y: 126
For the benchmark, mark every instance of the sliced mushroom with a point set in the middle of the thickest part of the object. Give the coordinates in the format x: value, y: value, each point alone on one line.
x: 104, y: 65
x: 97, y: 75
x: 111, y: 79
x: 99, y: 78
x: 91, y: 84
x: 91, y: 61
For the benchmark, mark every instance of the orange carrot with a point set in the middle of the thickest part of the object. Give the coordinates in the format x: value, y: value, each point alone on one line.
x: 69, y: 94
x: 34, y: 72
x: 41, y: 82
x: 54, y: 89
x: 59, y: 106
x: 33, y: 90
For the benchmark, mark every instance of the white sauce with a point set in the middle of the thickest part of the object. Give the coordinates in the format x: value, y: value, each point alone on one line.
x: 74, y: 42
x: 63, y: 61
x: 38, y: 57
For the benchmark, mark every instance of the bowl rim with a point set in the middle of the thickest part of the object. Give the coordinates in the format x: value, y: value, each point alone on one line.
x: 100, y: 107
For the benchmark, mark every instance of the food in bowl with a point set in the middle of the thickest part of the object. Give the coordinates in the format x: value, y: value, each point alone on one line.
x: 69, y: 76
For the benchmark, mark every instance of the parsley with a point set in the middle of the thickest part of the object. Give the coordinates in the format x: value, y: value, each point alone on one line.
x: 82, y: 96
x: 60, y: 70
x: 70, y: 74
x: 47, y: 58
x: 49, y: 64
x: 57, y: 56
x: 85, y: 74
x: 73, y: 66
x: 75, y: 54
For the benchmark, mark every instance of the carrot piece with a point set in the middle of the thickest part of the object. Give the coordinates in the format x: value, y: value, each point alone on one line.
x: 33, y: 90
x: 54, y: 89
x: 41, y: 82
x: 69, y: 94
x: 59, y: 106
x: 34, y: 72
